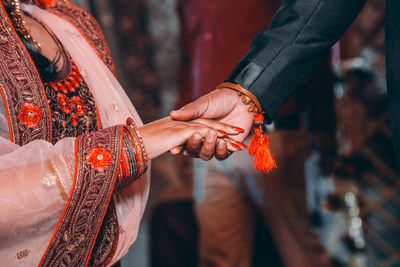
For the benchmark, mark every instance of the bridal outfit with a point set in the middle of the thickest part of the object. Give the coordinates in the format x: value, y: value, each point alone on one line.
x: 66, y: 198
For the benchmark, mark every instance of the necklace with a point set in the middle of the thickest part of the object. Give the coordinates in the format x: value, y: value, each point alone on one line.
x: 17, y: 19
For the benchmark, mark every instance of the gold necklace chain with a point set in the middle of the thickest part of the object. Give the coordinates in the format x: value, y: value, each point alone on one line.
x: 17, y: 19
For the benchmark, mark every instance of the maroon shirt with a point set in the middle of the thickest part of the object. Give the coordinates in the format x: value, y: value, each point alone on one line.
x: 216, y: 34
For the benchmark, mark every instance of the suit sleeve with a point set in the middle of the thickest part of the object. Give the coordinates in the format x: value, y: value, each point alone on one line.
x: 283, y: 55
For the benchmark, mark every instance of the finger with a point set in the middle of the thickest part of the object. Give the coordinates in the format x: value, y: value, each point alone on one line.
x: 194, y: 143
x: 191, y: 111
x: 221, y: 151
x: 190, y: 154
x: 234, y: 145
x: 222, y: 128
x: 208, y: 149
x: 176, y: 150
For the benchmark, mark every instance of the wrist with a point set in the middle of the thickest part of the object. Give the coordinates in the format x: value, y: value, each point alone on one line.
x: 248, y: 98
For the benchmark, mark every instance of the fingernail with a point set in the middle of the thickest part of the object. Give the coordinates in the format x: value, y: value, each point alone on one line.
x: 237, y: 129
x: 222, y: 132
x: 236, y: 147
x: 241, y: 144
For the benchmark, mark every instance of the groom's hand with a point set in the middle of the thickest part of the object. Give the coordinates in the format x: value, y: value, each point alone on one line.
x: 223, y: 105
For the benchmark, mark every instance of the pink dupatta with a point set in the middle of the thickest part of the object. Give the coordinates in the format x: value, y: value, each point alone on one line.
x: 31, y: 200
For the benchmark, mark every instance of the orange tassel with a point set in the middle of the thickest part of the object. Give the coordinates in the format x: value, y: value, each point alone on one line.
x: 259, y: 148
x: 46, y: 3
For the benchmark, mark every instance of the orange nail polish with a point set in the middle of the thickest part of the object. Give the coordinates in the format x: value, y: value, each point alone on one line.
x: 222, y: 132
x: 237, y: 147
x: 237, y: 129
x: 241, y: 144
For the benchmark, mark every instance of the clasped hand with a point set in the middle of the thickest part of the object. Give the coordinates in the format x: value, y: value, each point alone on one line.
x: 222, y: 106
x: 214, y: 125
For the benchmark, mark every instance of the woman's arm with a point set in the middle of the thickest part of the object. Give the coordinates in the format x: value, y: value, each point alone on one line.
x: 45, y: 187
x: 162, y: 135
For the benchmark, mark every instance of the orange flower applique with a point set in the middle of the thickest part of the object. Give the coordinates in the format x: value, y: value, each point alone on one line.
x: 100, y: 158
x: 74, y: 119
x: 30, y: 115
x: 46, y: 3
x: 78, y: 105
x: 64, y: 103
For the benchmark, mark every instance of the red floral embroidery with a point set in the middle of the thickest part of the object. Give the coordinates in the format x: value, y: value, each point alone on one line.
x: 78, y: 105
x: 46, y: 3
x: 62, y: 87
x: 74, y: 119
x: 64, y: 103
x: 74, y: 81
x: 69, y: 86
x: 30, y: 115
x: 99, y: 158
x: 54, y: 86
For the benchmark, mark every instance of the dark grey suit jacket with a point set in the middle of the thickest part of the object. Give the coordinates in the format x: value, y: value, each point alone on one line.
x: 301, y: 31
x: 282, y: 56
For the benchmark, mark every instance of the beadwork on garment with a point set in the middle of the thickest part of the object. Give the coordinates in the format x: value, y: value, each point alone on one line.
x: 72, y: 106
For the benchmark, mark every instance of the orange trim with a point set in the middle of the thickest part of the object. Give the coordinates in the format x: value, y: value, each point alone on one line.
x: 69, y: 201
x: 84, y: 36
x: 8, y: 114
x: 99, y: 125
x: 37, y: 72
x: 101, y: 31
x: 109, y: 199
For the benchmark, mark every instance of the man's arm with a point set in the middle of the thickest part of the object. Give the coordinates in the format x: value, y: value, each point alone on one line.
x: 282, y: 56
x: 278, y: 61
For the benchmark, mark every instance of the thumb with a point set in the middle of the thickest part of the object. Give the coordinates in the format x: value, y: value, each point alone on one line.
x: 191, y: 111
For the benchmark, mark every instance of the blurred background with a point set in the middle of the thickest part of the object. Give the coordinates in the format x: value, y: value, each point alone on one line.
x: 334, y: 199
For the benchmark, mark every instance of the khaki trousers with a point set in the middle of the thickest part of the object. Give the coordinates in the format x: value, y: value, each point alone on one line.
x: 233, y: 189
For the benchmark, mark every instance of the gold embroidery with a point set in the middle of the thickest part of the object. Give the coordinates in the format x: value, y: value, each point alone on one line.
x: 22, y: 254
x: 49, y: 180
x: 54, y: 179
x: 84, y: 73
x: 3, y: 39
x: 20, y: 83
x: 107, y: 240
x: 83, y: 217
x: 114, y: 106
x: 68, y: 170
x: 121, y: 230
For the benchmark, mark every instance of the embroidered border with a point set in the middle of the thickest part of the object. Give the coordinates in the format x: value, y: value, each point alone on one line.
x: 20, y: 86
x: 97, y: 158
x: 107, y: 240
x: 88, y: 26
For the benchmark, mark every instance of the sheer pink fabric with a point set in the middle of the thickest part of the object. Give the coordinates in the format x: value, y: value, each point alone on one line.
x: 36, y: 178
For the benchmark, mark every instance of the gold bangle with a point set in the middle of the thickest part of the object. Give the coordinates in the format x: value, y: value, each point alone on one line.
x: 243, y: 92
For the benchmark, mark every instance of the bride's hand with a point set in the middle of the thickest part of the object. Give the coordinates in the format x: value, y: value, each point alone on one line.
x: 162, y: 135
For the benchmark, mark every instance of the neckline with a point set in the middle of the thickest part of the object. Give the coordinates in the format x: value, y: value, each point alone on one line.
x: 66, y: 68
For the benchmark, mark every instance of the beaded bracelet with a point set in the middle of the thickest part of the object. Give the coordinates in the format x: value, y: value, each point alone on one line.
x: 247, y: 97
x: 259, y: 144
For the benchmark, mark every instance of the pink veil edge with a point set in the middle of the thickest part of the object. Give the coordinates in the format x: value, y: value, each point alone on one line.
x: 114, y: 107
